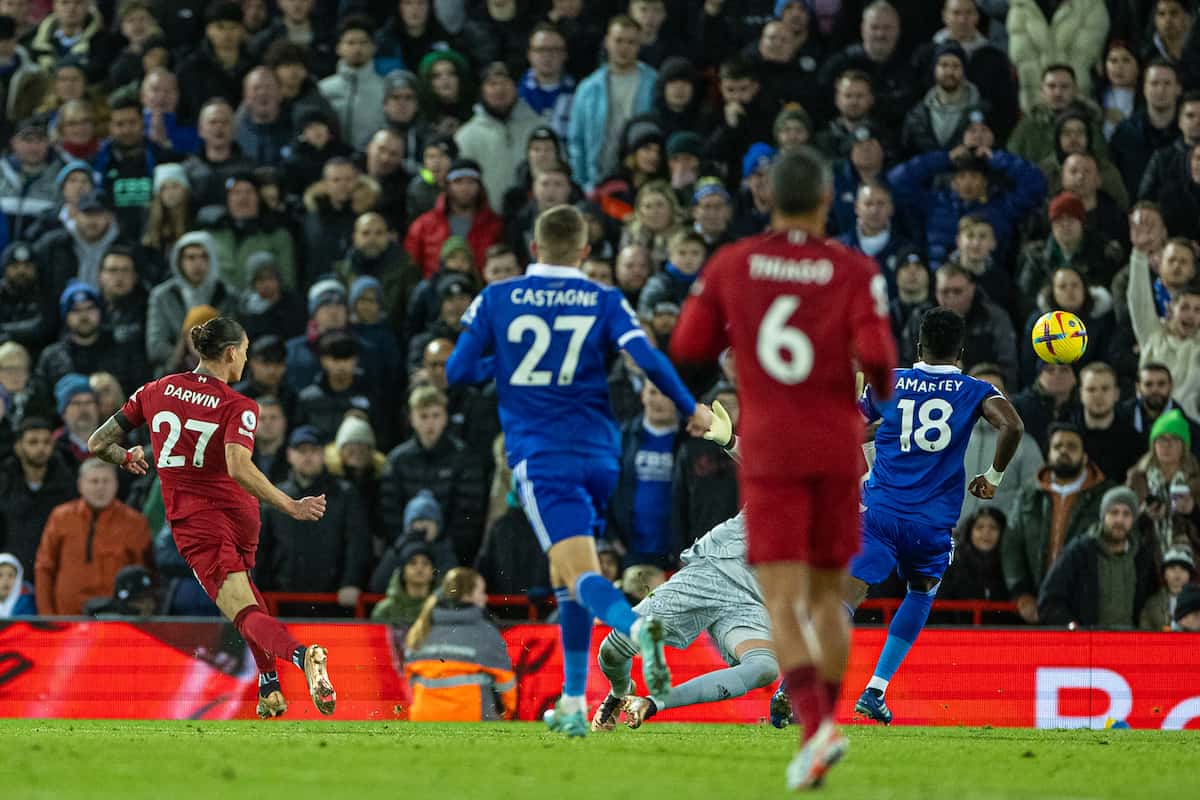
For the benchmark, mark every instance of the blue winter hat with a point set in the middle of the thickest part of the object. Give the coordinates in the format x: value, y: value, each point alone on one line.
x: 780, y: 5
x: 74, y: 166
x: 364, y: 283
x: 759, y: 155
x: 77, y: 292
x: 423, y: 506
x: 68, y: 387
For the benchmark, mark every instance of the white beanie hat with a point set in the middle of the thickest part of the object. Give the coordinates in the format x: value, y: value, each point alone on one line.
x: 354, y: 429
x: 170, y: 172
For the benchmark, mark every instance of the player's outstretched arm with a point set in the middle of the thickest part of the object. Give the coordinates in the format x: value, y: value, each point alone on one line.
x: 662, y: 374
x: 243, y: 470
x: 1004, y: 418
x: 103, y: 445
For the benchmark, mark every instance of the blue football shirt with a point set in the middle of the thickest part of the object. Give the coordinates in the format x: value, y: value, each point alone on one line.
x: 919, y: 448
x: 551, y: 332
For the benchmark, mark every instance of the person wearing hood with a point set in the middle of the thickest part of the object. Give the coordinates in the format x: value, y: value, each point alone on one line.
x: 218, y: 65
x: 447, y: 89
x: 373, y: 254
x: 242, y: 228
x: 1102, y: 578
x: 1178, y: 570
x: 194, y: 282
x: 85, y: 345
x: 679, y: 97
x: 975, y: 573
x: 267, y: 306
x: 424, y: 528
x: 356, y: 91
x: 16, y: 593
x: 1050, y: 513
x: 406, y: 38
x: 27, y: 177
x: 455, y: 660
x: 546, y: 86
x: 937, y: 121
x: 1073, y: 132
x: 26, y: 315
x: 329, y: 555
x: 409, y: 584
x: 498, y: 131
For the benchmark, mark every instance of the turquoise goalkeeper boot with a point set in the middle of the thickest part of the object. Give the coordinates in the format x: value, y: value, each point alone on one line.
x: 649, y: 633
x: 572, y: 722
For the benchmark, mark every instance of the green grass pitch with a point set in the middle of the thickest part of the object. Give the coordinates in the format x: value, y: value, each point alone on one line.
x: 64, y: 760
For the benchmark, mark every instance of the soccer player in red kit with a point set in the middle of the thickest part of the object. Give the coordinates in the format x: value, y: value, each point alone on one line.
x: 211, y: 490
x: 799, y: 311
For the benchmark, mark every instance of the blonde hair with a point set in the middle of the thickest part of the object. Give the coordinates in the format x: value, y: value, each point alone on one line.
x: 164, y: 226
x: 14, y: 350
x: 458, y: 583
x: 561, y: 234
x: 426, y: 396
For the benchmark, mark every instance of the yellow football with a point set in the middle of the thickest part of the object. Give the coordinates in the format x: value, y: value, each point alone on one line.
x: 1059, y: 337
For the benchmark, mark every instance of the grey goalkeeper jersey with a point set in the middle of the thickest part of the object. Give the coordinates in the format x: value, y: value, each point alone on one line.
x: 724, y: 549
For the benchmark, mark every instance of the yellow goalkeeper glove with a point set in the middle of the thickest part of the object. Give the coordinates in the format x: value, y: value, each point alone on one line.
x: 721, y: 429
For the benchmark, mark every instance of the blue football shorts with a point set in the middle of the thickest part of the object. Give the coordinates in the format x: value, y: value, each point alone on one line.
x: 912, y: 548
x: 565, y: 495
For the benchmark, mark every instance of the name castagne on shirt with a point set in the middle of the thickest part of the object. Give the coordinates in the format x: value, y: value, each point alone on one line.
x: 554, y: 297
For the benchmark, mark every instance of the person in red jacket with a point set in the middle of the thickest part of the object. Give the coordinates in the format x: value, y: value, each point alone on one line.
x: 462, y: 210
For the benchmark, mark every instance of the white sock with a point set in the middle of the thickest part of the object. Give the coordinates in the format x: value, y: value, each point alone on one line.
x: 879, y: 683
x: 572, y: 703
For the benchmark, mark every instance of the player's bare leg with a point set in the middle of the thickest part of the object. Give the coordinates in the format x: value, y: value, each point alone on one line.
x: 238, y: 602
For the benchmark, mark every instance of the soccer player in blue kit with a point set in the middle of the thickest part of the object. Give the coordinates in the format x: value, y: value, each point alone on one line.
x: 914, y: 494
x: 551, y: 333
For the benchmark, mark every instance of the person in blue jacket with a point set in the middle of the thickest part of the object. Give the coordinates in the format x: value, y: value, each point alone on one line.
x: 995, y: 184
x: 16, y: 594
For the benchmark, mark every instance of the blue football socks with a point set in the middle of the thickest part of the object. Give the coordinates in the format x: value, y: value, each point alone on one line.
x: 902, y: 632
x: 605, y: 601
x: 576, y: 624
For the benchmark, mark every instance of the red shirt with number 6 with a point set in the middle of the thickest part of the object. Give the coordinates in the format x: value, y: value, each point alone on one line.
x: 800, y: 312
x: 192, y: 417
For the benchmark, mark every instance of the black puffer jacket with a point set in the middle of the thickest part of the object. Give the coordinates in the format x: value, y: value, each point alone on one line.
x: 320, y: 556
x: 455, y: 476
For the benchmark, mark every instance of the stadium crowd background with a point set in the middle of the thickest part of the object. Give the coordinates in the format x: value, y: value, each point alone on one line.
x: 344, y: 177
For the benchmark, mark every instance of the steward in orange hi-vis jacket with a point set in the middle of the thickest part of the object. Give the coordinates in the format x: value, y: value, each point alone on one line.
x: 457, y: 662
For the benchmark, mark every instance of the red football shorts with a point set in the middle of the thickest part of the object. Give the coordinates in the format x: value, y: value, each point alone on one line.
x: 218, y: 542
x: 813, y: 520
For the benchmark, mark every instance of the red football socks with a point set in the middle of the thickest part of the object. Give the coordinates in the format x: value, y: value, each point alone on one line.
x: 832, y: 690
x: 266, y: 633
x: 807, y: 694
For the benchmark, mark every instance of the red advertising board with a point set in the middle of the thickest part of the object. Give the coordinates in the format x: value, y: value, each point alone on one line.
x: 201, y: 670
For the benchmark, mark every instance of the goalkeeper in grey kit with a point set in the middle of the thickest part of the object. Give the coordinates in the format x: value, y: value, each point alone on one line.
x: 715, y: 591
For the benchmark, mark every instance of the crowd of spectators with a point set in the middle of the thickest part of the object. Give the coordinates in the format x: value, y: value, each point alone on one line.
x: 344, y: 176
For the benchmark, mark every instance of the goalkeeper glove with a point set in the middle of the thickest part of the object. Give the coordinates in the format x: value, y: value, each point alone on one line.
x: 721, y: 429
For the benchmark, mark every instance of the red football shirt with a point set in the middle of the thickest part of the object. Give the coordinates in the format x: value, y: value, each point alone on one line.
x: 192, y: 417
x: 800, y: 312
